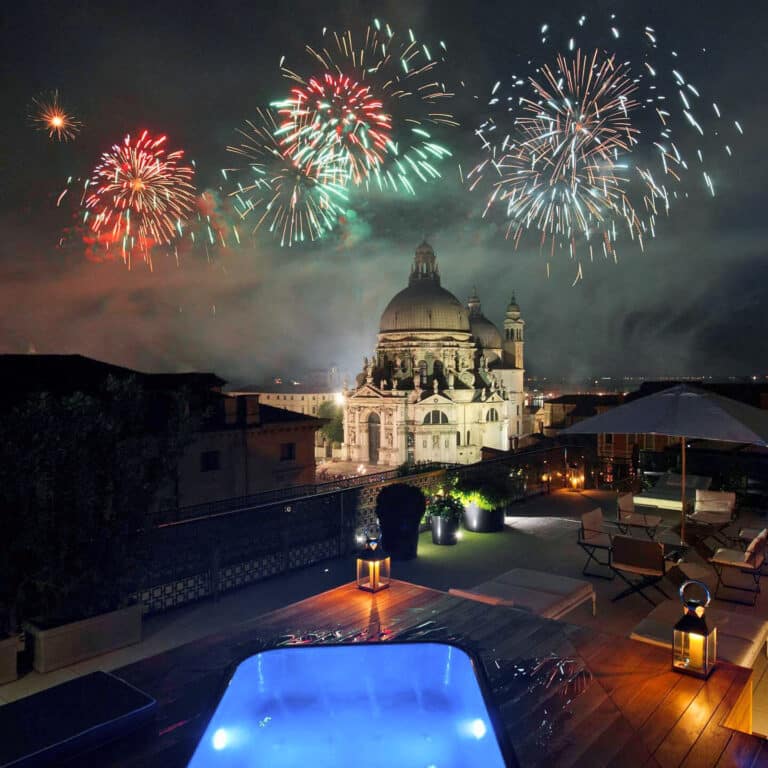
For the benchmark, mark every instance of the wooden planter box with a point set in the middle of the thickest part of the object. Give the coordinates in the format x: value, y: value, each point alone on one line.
x: 61, y: 646
x: 8, y: 649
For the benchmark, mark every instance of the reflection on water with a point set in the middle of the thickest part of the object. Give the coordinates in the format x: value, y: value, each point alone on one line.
x: 535, y: 695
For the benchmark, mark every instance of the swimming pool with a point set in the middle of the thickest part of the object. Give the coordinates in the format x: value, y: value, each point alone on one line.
x: 378, y: 704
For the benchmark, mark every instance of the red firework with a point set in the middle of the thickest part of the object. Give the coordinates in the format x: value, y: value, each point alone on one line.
x: 139, y: 195
x: 346, y: 116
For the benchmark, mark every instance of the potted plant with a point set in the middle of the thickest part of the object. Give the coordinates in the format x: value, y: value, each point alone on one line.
x: 445, y: 511
x: 400, y: 508
x: 484, y: 507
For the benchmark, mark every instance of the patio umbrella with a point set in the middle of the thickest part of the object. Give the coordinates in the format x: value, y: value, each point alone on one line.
x: 684, y: 412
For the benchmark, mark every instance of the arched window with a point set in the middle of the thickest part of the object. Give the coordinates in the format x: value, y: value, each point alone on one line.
x: 469, y: 442
x: 422, y: 372
x: 435, y: 417
x: 458, y: 438
x: 492, y: 415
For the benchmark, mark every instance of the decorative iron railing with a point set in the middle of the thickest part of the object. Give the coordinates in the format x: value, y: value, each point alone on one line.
x: 211, y: 548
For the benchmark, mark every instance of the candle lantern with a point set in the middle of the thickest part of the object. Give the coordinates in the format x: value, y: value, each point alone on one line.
x: 694, y: 643
x: 575, y: 477
x: 373, y: 563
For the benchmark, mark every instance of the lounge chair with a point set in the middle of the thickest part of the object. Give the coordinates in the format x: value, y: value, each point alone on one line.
x: 714, y: 510
x: 748, y: 564
x: 594, y: 539
x: 640, y: 564
x: 740, y: 637
x: 627, y: 517
x: 744, y: 539
x: 545, y: 594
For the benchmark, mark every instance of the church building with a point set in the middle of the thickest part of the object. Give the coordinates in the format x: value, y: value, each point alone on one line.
x: 443, y: 382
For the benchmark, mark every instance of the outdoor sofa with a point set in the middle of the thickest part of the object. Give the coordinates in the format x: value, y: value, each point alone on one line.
x: 667, y: 491
x: 545, y: 594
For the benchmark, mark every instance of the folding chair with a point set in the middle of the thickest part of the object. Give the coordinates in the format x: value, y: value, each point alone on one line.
x: 715, y: 511
x: 594, y: 539
x: 749, y: 563
x: 640, y: 564
x: 627, y: 517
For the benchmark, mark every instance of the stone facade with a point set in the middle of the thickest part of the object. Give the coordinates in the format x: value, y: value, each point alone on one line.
x: 442, y: 383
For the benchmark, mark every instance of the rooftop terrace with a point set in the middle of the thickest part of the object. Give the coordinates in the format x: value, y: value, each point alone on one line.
x: 608, y: 700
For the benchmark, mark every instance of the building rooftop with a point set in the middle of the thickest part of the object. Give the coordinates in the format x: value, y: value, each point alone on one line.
x: 24, y: 374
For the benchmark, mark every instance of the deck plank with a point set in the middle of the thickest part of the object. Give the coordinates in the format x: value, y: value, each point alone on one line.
x: 630, y: 710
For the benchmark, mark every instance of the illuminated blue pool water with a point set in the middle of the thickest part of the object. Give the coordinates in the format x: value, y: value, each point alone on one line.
x: 378, y: 704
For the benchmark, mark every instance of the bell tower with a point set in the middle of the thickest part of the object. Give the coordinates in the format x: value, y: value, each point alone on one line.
x: 424, y: 265
x: 514, y: 328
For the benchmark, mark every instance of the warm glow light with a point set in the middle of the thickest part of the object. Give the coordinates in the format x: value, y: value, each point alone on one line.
x: 374, y: 574
x: 57, y: 121
x: 338, y: 398
x: 696, y: 651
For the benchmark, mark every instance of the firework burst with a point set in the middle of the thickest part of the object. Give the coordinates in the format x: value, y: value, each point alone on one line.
x: 139, y: 195
x: 379, y: 102
x: 341, y: 114
x: 594, y: 148
x: 565, y: 173
x: 47, y: 114
x: 296, y: 191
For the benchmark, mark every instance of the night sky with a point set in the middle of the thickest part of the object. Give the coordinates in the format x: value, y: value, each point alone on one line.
x: 692, y: 304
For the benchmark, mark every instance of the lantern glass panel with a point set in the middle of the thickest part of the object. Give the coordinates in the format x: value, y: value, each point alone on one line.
x: 694, y: 653
x: 373, y: 574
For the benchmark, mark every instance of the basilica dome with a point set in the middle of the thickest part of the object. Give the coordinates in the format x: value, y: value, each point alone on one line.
x: 424, y: 305
x: 486, y: 333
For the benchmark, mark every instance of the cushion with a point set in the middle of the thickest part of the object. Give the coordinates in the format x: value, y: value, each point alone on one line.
x: 493, y: 593
x: 709, y: 517
x: 545, y: 582
x: 729, y: 556
x: 545, y: 594
x: 740, y: 637
x: 641, y: 520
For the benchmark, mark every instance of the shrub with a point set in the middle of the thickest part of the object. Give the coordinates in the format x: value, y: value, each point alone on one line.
x: 446, y: 506
x: 400, y: 508
x: 485, y: 496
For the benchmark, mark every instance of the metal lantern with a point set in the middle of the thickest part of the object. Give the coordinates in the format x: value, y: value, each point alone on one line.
x: 373, y: 563
x: 694, y: 644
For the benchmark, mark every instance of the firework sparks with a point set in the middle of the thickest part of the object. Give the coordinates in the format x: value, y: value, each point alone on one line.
x: 139, y: 195
x: 341, y: 114
x: 583, y: 157
x: 294, y: 191
x: 378, y: 102
x: 47, y: 114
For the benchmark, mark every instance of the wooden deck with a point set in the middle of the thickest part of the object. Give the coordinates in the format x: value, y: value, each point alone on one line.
x: 567, y: 695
